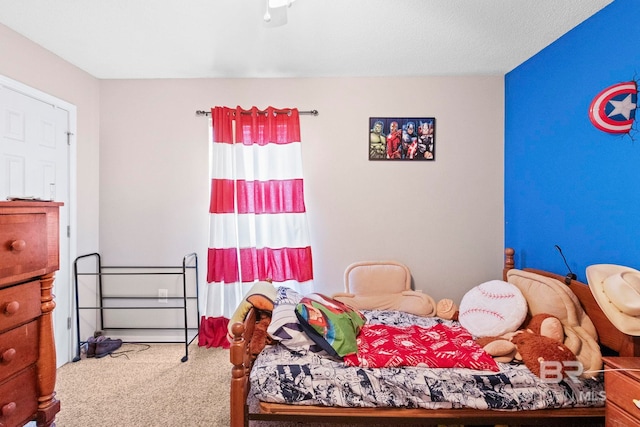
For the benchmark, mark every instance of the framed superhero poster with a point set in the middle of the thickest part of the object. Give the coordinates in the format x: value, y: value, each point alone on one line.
x: 402, y: 138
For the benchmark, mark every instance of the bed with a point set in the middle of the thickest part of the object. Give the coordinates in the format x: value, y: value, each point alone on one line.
x: 269, y: 407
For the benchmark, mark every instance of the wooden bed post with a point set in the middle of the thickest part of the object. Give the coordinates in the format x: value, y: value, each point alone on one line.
x: 509, y: 263
x: 238, y: 392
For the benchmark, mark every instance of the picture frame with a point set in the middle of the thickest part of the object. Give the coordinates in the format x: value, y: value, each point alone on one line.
x: 402, y: 138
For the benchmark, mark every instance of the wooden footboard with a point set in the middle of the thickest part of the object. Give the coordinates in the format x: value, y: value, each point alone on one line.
x: 393, y: 416
x: 242, y: 363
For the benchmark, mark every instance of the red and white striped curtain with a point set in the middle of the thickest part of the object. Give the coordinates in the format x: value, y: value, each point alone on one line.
x: 258, y: 223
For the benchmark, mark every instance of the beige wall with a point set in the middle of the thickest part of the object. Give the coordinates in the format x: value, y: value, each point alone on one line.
x: 28, y: 63
x: 444, y: 218
x: 142, y: 167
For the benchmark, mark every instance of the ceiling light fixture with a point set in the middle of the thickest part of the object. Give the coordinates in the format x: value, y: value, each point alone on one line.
x: 276, y: 12
x: 280, y: 3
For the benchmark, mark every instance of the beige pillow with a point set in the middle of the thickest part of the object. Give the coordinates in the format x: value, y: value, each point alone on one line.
x: 383, y: 285
x: 551, y: 296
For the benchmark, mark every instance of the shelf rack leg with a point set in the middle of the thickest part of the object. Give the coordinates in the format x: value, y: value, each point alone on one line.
x: 77, y: 298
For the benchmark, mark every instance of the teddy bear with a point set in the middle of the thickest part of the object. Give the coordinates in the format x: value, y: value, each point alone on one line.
x: 540, y: 339
x: 535, y: 349
x: 546, y: 325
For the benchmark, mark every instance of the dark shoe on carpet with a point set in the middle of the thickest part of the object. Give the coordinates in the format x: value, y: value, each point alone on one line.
x: 91, y: 347
x: 107, y: 346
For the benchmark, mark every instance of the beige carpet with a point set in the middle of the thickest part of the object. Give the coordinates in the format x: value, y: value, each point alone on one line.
x: 149, y: 387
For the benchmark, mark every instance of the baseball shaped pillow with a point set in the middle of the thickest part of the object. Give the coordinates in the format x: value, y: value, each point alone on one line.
x: 492, y: 308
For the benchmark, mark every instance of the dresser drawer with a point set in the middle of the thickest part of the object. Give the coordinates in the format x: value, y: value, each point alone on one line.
x: 29, y: 242
x: 18, y: 349
x: 19, y: 304
x: 621, y: 390
x: 18, y: 398
x: 616, y: 417
x: 24, y: 248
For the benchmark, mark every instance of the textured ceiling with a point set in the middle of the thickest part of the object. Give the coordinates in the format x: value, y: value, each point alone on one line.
x: 118, y: 39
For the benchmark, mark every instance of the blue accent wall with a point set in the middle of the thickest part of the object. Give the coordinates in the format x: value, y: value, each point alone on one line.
x: 566, y: 182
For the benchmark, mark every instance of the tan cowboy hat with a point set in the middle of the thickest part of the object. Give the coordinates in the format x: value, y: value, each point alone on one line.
x: 617, y: 291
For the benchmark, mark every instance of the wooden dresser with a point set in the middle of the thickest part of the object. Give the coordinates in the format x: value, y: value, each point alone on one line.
x: 622, y: 385
x: 29, y: 246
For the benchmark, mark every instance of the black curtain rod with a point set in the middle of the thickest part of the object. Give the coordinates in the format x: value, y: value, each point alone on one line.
x: 310, y: 112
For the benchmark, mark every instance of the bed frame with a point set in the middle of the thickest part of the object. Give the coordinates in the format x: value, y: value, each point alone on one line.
x: 612, y: 340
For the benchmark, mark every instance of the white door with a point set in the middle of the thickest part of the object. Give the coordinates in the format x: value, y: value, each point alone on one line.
x: 35, y: 148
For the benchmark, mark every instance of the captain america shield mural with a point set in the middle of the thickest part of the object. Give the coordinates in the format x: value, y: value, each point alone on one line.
x: 614, y: 109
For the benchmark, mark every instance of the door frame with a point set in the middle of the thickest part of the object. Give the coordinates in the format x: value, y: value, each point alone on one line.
x: 73, y: 203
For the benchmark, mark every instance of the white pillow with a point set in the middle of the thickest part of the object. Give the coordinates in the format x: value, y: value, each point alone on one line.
x: 492, y: 309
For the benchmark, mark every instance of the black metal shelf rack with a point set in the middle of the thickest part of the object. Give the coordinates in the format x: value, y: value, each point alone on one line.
x: 189, y: 262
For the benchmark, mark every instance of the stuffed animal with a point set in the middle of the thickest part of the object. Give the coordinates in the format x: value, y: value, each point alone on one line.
x: 260, y: 296
x: 540, y: 339
x: 447, y: 309
x: 547, y: 325
x: 500, y: 348
x: 551, y: 296
x: 535, y: 349
x: 260, y: 337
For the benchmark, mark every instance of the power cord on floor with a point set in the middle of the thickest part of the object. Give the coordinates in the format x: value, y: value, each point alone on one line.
x: 133, y: 350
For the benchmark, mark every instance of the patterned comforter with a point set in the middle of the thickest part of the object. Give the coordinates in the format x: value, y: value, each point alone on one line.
x: 280, y: 375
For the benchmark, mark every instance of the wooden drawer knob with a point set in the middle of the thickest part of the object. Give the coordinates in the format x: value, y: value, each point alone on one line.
x: 7, y: 355
x: 18, y: 245
x: 12, y: 307
x: 8, y: 409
